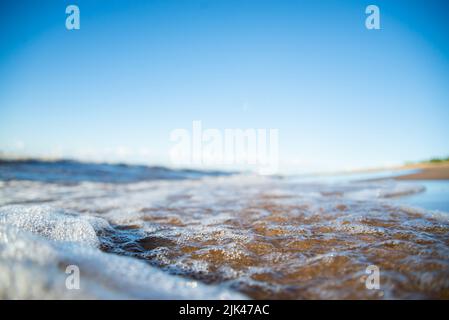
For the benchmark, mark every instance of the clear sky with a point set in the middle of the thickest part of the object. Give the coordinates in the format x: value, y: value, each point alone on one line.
x: 341, y: 96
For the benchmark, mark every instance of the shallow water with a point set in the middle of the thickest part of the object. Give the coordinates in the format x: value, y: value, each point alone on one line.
x: 434, y: 197
x: 257, y: 236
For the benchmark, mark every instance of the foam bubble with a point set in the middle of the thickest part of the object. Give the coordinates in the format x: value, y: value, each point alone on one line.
x: 53, y: 223
x: 33, y: 267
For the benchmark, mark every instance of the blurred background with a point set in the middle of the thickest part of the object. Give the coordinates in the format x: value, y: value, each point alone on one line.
x: 342, y: 96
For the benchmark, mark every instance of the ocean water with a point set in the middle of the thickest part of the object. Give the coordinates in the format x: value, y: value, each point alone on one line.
x: 142, y: 232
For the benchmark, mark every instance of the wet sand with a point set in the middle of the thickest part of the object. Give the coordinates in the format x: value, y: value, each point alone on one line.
x: 427, y: 172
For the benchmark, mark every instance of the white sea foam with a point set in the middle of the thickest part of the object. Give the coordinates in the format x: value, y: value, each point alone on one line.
x: 383, y: 189
x: 54, y: 224
x: 37, y: 243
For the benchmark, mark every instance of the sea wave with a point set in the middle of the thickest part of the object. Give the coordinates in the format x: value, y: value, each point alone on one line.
x: 232, y: 235
x: 72, y: 172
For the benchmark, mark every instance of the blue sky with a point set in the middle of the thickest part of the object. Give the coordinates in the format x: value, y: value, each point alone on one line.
x: 341, y: 96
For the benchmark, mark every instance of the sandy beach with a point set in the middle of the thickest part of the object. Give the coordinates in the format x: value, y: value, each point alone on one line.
x: 428, y: 172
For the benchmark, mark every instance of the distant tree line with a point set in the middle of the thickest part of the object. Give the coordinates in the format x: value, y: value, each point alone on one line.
x: 437, y: 160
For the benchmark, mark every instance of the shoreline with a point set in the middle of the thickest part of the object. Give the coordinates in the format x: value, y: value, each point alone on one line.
x: 427, y: 172
x: 421, y: 171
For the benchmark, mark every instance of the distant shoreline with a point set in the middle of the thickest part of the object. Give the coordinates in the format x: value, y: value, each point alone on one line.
x: 428, y: 171
x: 414, y: 171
